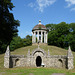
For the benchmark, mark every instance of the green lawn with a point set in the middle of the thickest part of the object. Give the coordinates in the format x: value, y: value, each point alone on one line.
x: 35, y: 71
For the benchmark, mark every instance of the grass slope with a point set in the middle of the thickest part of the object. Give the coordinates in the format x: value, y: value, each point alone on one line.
x: 35, y: 71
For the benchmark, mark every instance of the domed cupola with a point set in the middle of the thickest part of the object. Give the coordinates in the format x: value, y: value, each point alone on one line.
x: 40, y: 33
x: 39, y: 26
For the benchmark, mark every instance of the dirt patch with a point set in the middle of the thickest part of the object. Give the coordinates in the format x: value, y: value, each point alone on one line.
x: 58, y: 74
x: 16, y: 73
x: 31, y: 74
x: 2, y: 73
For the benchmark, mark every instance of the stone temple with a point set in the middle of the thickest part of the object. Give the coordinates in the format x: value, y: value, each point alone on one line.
x: 38, y: 57
x: 39, y: 33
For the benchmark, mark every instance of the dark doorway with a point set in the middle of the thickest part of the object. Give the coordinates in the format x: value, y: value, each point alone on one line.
x: 38, y: 61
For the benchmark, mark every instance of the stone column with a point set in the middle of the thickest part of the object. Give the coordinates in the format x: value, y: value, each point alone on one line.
x: 38, y: 36
x: 41, y: 36
x: 34, y: 37
x: 47, y: 37
x: 44, y: 37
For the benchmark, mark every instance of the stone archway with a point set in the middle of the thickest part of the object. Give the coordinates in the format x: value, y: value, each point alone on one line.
x: 38, y: 61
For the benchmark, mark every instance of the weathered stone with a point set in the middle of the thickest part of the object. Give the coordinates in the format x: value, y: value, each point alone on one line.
x: 48, y: 53
x: 28, y: 55
x: 70, y: 53
x: 39, y: 58
x: 70, y: 59
x: 7, y: 58
x: 7, y: 54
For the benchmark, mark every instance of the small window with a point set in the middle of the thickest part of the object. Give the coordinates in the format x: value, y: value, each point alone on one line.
x: 17, y: 62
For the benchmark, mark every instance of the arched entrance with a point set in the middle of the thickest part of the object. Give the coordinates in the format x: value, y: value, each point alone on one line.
x: 38, y: 61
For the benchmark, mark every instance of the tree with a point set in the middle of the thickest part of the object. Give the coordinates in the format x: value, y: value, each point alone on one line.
x: 50, y: 27
x: 27, y: 41
x: 18, y: 42
x: 71, y: 36
x: 62, y: 35
x: 29, y: 37
x: 57, y: 35
x: 8, y: 25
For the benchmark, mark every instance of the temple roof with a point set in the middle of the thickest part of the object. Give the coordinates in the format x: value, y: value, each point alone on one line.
x: 39, y: 27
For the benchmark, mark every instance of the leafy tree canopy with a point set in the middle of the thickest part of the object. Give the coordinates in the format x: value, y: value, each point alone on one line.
x: 62, y: 35
x: 8, y: 25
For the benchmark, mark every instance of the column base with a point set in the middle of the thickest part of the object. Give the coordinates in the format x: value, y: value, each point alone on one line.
x: 39, y: 44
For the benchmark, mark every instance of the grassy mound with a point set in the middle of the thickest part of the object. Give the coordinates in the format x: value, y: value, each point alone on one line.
x: 35, y: 71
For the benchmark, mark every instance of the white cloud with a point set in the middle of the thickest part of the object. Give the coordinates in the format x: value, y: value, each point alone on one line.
x: 70, y: 2
x: 44, y: 3
x: 41, y: 4
x: 73, y: 9
x: 31, y: 4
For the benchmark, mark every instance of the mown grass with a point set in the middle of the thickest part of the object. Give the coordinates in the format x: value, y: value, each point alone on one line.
x: 35, y: 71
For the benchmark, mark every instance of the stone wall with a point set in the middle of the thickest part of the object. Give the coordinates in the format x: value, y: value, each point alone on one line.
x: 39, y: 58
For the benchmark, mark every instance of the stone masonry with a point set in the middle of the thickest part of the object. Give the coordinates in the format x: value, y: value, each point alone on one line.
x: 38, y: 58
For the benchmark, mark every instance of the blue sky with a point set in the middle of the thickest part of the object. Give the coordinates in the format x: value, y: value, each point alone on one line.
x: 29, y: 12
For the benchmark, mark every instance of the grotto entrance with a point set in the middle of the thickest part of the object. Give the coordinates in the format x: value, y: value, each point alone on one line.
x: 38, y: 61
